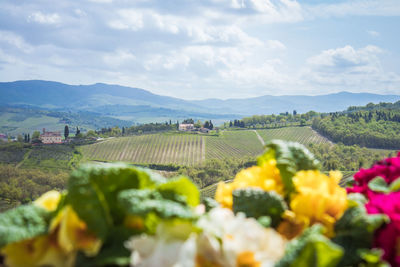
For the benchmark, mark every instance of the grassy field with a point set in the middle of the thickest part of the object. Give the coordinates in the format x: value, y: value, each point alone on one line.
x: 180, y: 149
x: 191, y: 149
x: 12, y: 123
x: 303, y: 135
x: 233, y: 144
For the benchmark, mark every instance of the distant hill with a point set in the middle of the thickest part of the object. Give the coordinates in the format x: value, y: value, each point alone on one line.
x: 133, y: 103
x: 301, y: 103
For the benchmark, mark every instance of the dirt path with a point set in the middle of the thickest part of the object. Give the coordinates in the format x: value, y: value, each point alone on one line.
x: 259, y: 138
x: 24, y: 159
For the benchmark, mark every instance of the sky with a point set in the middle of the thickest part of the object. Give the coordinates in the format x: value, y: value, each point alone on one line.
x: 197, y: 49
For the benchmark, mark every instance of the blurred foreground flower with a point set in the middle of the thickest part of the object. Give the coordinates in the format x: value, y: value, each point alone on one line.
x: 266, y: 177
x: 318, y: 198
x: 223, y: 239
x: 67, y: 234
x: 388, y: 169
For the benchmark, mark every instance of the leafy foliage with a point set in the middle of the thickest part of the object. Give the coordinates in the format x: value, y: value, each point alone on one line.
x: 354, y: 232
x: 146, y: 201
x: 312, y: 248
x: 22, y: 223
x: 374, y: 128
x: 93, y: 191
x: 256, y: 203
x: 290, y: 158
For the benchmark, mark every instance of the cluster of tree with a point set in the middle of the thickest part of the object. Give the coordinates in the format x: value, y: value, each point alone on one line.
x: 372, y: 106
x: 273, y: 121
x: 208, y: 125
x: 375, y: 129
x: 136, y: 129
x: 215, y: 170
x: 188, y: 121
x: 346, y: 158
x: 25, y: 185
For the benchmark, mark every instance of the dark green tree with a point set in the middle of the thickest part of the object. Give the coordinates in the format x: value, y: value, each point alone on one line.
x: 66, y: 132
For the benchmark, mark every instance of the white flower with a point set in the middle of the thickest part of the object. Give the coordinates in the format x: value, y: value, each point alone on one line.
x: 244, y: 240
x: 225, y: 240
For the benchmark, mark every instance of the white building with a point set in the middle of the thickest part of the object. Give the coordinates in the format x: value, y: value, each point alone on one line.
x: 186, y: 127
x: 50, y: 137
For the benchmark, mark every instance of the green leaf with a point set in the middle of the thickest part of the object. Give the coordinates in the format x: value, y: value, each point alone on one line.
x: 22, y: 223
x: 379, y: 184
x: 182, y: 186
x: 255, y: 202
x: 311, y: 249
x: 290, y: 158
x: 93, y: 190
x: 146, y: 201
x: 356, y: 199
x: 354, y: 232
x: 372, y: 258
x: 210, y: 203
x: 395, y: 186
x: 264, y: 221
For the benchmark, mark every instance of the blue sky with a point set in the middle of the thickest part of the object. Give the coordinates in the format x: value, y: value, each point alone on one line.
x: 205, y: 49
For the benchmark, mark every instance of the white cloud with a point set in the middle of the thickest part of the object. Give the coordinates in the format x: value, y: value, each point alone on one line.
x: 275, y: 44
x: 118, y: 58
x: 43, y: 18
x: 128, y: 19
x: 373, y: 33
x: 355, y: 7
x: 348, y: 68
x: 101, y: 1
x: 347, y: 59
x: 15, y: 41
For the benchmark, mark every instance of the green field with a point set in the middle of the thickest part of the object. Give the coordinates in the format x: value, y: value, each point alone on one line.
x: 303, y: 135
x: 180, y: 149
x: 192, y: 149
x: 13, y: 123
x: 233, y: 144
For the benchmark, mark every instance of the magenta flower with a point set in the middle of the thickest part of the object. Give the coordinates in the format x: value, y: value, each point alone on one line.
x: 389, y: 169
x: 387, y: 237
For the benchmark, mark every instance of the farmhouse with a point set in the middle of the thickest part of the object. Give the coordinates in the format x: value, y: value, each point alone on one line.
x: 204, y: 130
x: 3, y: 137
x: 50, y: 137
x: 186, y: 127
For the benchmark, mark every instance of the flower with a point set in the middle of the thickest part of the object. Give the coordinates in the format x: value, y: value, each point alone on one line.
x: 39, y: 251
x: 243, y: 241
x: 67, y: 234
x: 49, y: 200
x: 319, y: 198
x: 266, y: 177
x: 224, y: 240
x: 388, y: 169
x: 388, y: 237
x: 72, y: 233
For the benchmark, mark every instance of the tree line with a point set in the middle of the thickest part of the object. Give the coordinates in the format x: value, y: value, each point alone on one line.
x: 374, y: 128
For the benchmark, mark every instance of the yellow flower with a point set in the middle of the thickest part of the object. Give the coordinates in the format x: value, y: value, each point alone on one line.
x: 40, y: 251
x: 318, y: 198
x: 72, y: 233
x: 247, y: 259
x: 48, y: 200
x: 67, y: 234
x: 266, y: 177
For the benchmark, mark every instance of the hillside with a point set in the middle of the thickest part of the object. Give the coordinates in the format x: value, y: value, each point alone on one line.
x: 136, y: 104
x: 373, y: 126
x: 18, y: 120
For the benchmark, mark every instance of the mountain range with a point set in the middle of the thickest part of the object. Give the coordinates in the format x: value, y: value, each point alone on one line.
x: 138, y: 105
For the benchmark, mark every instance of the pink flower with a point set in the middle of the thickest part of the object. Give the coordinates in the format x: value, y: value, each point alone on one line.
x: 389, y: 169
x: 387, y: 237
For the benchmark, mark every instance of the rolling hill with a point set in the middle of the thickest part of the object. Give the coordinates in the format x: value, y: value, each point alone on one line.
x: 132, y: 103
